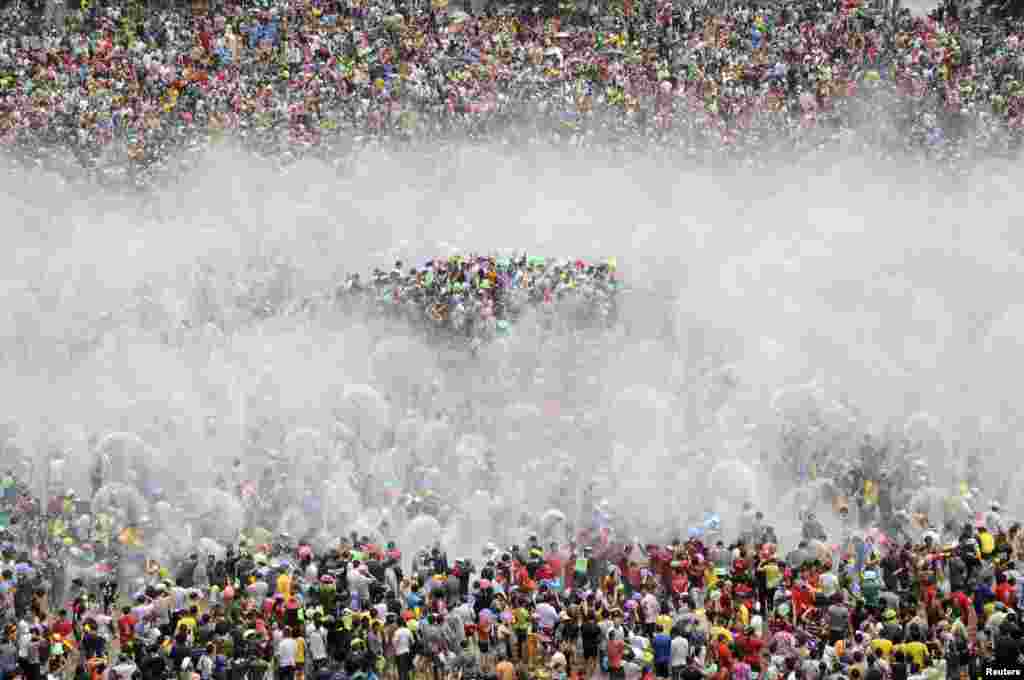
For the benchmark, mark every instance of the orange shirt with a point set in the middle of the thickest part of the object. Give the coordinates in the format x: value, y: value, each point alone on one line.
x: 505, y: 671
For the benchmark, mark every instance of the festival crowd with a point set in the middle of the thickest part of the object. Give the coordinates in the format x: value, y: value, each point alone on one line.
x: 912, y: 602
x: 125, y: 93
x: 895, y: 595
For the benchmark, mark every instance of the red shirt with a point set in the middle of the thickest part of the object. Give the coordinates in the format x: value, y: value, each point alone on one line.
x: 724, y: 655
x: 964, y: 603
x: 752, y: 652
x: 631, y: 573
x: 126, y: 627
x: 803, y: 600
x: 616, y: 648
x: 63, y: 628
x: 1006, y: 594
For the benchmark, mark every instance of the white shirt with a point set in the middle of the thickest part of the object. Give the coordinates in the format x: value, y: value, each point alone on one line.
x: 650, y: 608
x: 829, y: 583
x: 360, y: 583
x: 680, y: 651
x: 163, y: 610
x: 124, y: 671
x: 605, y: 626
x: 286, y: 653
x: 317, y: 648
x: 548, y: 615
x: 24, y: 645
x: 180, y: 597
x: 402, y: 641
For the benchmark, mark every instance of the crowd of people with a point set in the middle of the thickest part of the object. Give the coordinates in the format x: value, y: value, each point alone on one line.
x: 852, y: 603
x: 126, y: 93
x: 119, y: 92
x: 846, y: 599
x: 477, y: 298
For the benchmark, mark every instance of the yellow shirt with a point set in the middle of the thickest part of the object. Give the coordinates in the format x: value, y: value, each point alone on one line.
x: 717, y: 631
x: 917, y: 651
x: 772, y: 574
x: 987, y: 543
x: 284, y: 585
x: 882, y: 647
x: 665, y: 624
x: 300, y: 652
x: 522, y: 620
x: 743, y: 614
x: 188, y: 622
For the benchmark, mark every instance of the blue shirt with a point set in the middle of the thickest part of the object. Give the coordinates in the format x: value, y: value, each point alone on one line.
x: 982, y: 596
x: 662, y: 648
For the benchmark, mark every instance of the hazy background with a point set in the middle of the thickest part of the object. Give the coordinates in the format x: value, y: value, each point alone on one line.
x: 886, y: 288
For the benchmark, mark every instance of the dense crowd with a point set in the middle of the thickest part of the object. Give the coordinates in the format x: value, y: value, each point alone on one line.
x: 476, y: 298
x: 875, y: 588
x: 857, y: 604
x: 127, y: 91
